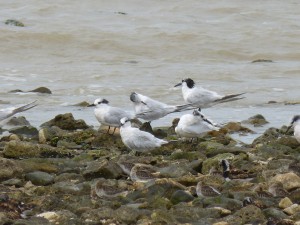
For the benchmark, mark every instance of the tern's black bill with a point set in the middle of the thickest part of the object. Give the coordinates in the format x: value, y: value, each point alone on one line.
x: 179, y: 84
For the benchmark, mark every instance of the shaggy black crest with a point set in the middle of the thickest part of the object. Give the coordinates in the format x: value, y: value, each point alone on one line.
x: 296, y: 118
x: 132, y: 97
x: 104, y: 101
x: 189, y: 82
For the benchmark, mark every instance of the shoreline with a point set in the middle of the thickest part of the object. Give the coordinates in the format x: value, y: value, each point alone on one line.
x: 63, y: 175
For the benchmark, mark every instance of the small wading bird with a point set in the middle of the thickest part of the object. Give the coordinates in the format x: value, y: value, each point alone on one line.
x: 108, y: 115
x: 8, y: 112
x: 149, y: 109
x: 137, y: 140
x: 204, y: 190
x: 203, y: 98
x: 296, y: 125
x: 193, y: 125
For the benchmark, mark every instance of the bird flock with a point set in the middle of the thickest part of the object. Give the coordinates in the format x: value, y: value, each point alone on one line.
x: 191, y: 125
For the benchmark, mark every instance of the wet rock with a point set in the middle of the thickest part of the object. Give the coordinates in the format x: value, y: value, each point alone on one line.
x: 21, y: 149
x: 288, y: 141
x: 262, y: 61
x: 215, y: 161
x: 51, y: 135
x: 68, y: 145
x: 26, y: 131
x: 176, y: 170
x: 221, y: 201
x: 71, y: 187
x: 122, y: 215
x: 13, y: 182
x: 40, y: 178
x: 66, y: 122
x: 274, y: 213
x: 69, y: 176
x: 42, y: 90
x: 59, y: 217
x: 18, y: 121
x: 32, y: 221
x: 271, y: 134
x: 181, y: 196
x: 103, y: 168
x: 14, y: 22
x: 289, y: 180
x: 293, y: 209
x: 82, y: 104
x: 257, y: 120
x: 9, y: 169
x: 189, y: 155
x: 249, y: 214
x: 237, y: 127
x: 285, y: 202
x: 189, y: 214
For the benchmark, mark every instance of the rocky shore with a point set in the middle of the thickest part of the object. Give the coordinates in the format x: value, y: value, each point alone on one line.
x: 69, y: 173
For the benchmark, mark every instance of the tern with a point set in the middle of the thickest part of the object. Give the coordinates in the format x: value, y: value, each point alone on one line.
x: 137, y: 140
x: 8, y: 112
x: 149, y: 109
x: 203, y: 98
x: 193, y: 125
x: 296, y: 125
x: 109, y: 115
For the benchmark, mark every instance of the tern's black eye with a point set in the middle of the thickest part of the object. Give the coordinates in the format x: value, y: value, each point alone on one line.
x: 182, y: 81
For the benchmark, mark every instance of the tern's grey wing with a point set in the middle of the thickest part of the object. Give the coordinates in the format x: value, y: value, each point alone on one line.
x: 114, y: 116
x: 144, y: 141
x: 6, y: 113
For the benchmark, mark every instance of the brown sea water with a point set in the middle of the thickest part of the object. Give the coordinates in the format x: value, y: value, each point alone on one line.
x: 83, y: 50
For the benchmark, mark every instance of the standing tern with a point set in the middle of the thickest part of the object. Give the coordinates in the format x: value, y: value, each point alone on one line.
x: 149, y: 109
x: 203, y: 98
x: 296, y: 125
x: 108, y: 115
x: 137, y: 140
x: 8, y: 112
x: 193, y: 125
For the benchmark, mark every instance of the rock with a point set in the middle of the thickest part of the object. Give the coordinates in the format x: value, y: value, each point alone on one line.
x: 51, y: 135
x: 221, y: 201
x: 32, y: 221
x: 42, y: 90
x: 176, y: 170
x: 285, y: 202
x: 237, y: 127
x: 18, y: 121
x: 103, y: 168
x: 189, y: 214
x: 9, y: 169
x: 293, y: 209
x: 59, y: 217
x: 262, y: 61
x: 22, y: 149
x: 271, y: 134
x: 122, y: 215
x: 257, y: 120
x: 289, y: 180
x: 27, y: 131
x: 274, y: 213
x: 288, y: 141
x: 181, y: 196
x: 66, y: 122
x: 40, y: 178
x: 215, y: 161
x: 249, y: 214
x: 13, y: 182
x: 179, y: 154
x: 14, y: 22
x: 69, y: 176
x: 82, y: 104
x: 68, y: 145
x: 70, y: 187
